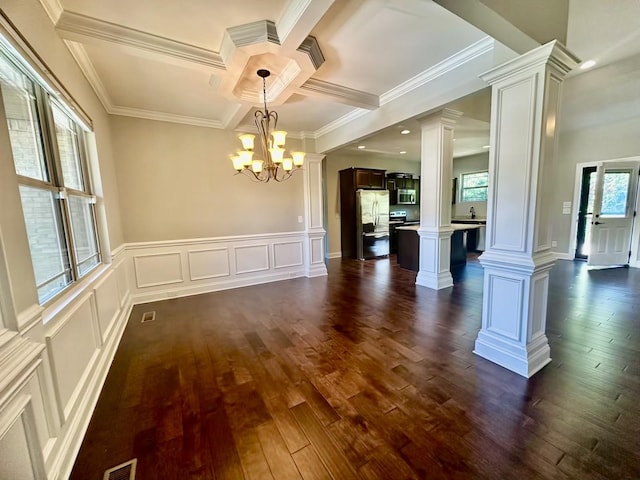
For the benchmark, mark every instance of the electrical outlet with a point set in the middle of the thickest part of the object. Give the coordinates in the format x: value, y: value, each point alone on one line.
x: 299, y: 218
x: 554, y: 243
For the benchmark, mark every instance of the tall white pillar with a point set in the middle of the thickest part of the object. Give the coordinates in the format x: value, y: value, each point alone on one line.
x: 315, y: 234
x: 517, y: 259
x: 435, y: 199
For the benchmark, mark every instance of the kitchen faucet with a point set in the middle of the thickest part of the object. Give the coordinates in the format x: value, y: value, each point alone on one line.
x: 473, y: 212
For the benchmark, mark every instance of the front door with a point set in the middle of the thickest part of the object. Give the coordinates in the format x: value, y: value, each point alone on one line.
x: 613, y: 212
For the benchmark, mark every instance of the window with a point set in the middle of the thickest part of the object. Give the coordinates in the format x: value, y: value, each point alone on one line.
x: 50, y: 163
x: 615, y: 191
x: 474, y: 187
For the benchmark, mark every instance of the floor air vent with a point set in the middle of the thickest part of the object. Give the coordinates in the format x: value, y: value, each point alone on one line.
x: 124, y: 471
x: 148, y: 317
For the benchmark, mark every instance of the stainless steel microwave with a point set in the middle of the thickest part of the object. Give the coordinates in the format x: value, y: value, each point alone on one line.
x: 406, y: 196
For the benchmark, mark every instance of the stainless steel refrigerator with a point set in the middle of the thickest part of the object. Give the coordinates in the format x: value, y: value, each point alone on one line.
x: 372, y: 217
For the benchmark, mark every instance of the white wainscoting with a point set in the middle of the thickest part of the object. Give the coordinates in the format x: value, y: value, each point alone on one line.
x: 44, y: 413
x: 188, y: 267
x: 53, y: 371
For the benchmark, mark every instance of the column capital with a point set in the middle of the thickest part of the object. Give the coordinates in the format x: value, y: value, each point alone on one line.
x: 552, y: 54
x: 314, y: 157
x: 447, y: 116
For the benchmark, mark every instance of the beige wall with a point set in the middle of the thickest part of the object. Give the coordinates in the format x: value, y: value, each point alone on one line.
x: 600, y: 120
x: 469, y: 164
x: 177, y: 182
x: 337, y: 162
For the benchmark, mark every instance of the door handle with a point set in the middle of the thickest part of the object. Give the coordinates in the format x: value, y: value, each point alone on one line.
x: 598, y: 223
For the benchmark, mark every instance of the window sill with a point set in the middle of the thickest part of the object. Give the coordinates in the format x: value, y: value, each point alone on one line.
x: 65, y: 298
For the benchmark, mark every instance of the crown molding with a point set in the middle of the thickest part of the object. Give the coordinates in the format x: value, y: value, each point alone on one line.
x: 86, y: 66
x: 254, y: 32
x: 458, y: 59
x: 552, y: 53
x: 340, y: 94
x: 311, y: 47
x: 53, y: 8
x: 262, y: 31
x: 340, y: 122
x: 72, y: 25
x: 235, y: 115
x: 165, y: 117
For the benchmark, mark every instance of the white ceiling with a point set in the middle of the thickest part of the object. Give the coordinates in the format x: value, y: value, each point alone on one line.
x: 171, y: 60
x: 185, y: 62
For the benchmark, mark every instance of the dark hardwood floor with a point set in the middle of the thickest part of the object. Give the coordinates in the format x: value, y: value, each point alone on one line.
x: 364, y: 375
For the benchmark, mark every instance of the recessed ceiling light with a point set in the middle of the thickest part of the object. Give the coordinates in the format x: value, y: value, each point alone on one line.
x: 405, y: 132
x: 486, y: 146
x: 587, y: 64
x: 361, y: 147
x: 402, y: 152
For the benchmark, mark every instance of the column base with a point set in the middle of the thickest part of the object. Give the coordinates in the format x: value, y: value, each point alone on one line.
x: 314, y: 265
x: 435, y: 254
x: 525, y: 361
x: 434, y: 281
x: 317, y: 270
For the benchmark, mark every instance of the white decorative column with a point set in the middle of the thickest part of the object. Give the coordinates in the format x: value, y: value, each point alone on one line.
x: 435, y: 199
x: 517, y: 259
x: 315, y: 234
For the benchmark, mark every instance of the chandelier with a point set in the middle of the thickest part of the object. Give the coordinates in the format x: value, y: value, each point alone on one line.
x: 275, y: 165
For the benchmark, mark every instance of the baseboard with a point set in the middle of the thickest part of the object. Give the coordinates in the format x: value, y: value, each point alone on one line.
x: 335, y: 255
x: 74, y: 434
x: 563, y: 256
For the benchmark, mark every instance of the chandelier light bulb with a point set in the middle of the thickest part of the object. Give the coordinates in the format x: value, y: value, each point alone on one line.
x: 246, y: 157
x: 238, y: 164
x: 279, y: 138
x: 256, y: 166
x: 287, y: 164
x: 277, y: 154
x: 298, y: 158
x: 247, y: 141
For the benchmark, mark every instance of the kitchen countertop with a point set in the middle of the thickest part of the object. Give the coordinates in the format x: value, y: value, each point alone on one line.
x: 454, y: 227
x: 479, y: 220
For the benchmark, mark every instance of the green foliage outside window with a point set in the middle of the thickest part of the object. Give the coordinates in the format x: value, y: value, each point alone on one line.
x: 474, y: 187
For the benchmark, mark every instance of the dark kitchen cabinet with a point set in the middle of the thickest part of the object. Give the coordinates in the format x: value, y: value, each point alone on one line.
x: 396, y: 181
x: 367, y: 178
x: 352, y: 179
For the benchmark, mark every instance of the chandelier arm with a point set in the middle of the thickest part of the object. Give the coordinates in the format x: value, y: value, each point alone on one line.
x: 254, y: 176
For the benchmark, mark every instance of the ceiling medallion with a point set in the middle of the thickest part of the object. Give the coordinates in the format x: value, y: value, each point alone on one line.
x: 275, y: 165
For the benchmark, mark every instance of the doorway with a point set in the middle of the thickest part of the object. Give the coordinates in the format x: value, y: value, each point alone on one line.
x: 606, y: 213
x: 585, y: 212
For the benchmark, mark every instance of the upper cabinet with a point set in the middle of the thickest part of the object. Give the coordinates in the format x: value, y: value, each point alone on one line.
x: 403, y: 181
x: 369, y: 178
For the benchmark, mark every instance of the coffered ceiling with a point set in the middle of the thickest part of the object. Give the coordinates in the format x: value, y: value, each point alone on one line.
x: 195, y: 61
x: 332, y: 61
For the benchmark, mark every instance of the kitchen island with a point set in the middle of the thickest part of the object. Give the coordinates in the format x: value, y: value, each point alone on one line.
x: 409, y: 246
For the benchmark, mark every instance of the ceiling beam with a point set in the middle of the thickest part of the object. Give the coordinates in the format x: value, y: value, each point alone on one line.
x: 492, y: 23
x: 82, y: 28
x: 298, y: 19
x: 337, y: 93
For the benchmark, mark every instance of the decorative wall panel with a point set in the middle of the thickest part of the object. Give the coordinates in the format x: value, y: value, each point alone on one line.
x: 158, y: 269
x: 208, y: 263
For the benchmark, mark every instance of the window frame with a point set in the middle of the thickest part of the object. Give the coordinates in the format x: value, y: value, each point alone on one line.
x: 44, y: 102
x: 463, y: 188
